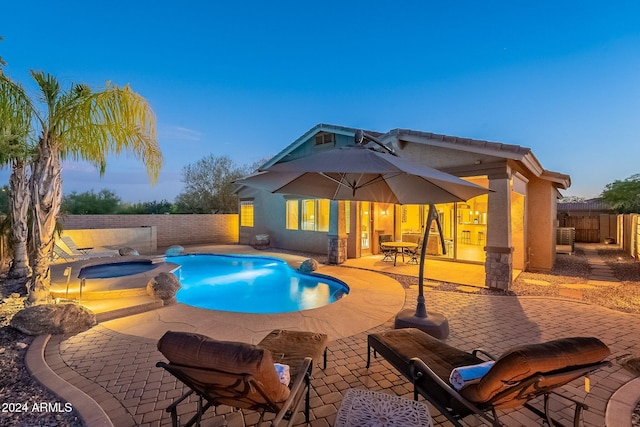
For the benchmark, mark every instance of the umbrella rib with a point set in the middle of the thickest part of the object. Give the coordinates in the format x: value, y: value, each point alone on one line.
x: 356, y: 184
x: 380, y: 177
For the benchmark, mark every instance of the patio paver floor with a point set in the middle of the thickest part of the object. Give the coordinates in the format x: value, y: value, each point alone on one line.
x: 118, y: 370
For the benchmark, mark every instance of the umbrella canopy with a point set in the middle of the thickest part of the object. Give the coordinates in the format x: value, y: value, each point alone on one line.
x: 363, y: 174
x: 359, y: 173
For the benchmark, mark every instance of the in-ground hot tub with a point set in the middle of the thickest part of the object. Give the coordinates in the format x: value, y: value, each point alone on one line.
x: 107, y: 277
x: 117, y: 269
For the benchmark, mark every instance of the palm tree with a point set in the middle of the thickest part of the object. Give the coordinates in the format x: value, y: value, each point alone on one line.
x: 80, y: 124
x: 15, y: 120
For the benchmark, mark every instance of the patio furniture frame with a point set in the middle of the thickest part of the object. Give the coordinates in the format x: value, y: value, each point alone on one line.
x: 235, y: 387
x: 427, y: 362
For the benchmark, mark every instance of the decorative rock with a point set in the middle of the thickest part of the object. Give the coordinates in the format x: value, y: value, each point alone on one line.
x: 164, y: 286
x: 21, y: 345
x: 308, y: 266
x: 128, y: 252
x: 174, y: 250
x: 261, y: 241
x: 55, y: 319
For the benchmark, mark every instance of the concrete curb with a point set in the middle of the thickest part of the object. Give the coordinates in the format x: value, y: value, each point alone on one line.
x: 622, y: 403
x: 91, y: 413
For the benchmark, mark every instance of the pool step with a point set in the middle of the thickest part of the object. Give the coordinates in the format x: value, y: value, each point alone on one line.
x: 128, y: 311
x: 114, y: 308
x: 100, y: 295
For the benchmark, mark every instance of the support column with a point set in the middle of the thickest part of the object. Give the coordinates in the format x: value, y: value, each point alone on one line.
x: 499, y: 251
x: 337, y: 236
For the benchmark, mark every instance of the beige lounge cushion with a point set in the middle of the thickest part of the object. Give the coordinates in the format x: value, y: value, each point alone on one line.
x: 524, y: 361
x: 199, y: 351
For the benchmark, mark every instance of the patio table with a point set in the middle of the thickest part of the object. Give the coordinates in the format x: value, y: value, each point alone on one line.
x: 372, y: 408
x: 399, y: 246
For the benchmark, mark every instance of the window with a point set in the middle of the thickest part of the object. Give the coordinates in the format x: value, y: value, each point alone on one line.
x: 292, y: 215
x: 323, y: 209
x: 308, y: 214
x: 325, y: 138
x: 246, y: 213
x: 347, y: 214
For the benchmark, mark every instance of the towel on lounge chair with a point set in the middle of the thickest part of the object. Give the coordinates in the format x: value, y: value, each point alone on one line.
x: 284, y: 373
x: 464, y: 375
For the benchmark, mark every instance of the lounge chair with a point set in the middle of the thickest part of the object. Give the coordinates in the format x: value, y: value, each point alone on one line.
x: 87, y: 252
x: 243, y: 375
x: 519, y: 375
x: 60, y: 254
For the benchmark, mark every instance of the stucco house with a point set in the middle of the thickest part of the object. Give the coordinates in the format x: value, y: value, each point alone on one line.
x: 512, y: 227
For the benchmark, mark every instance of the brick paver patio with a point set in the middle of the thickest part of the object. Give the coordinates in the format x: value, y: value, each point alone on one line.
x: 118, y: 370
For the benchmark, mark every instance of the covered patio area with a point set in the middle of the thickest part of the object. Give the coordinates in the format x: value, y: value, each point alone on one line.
x: 468, y: 274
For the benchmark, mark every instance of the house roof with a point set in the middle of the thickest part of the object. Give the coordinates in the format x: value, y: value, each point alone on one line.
x: 586, y: 206
x: 400, y: 136
x: 467, y: 144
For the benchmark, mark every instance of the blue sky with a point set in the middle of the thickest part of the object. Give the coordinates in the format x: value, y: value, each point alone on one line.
x: 246, y: 78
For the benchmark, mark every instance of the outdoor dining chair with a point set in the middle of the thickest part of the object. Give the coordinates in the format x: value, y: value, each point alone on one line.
x: 414, y: 253
x: 389, y: 253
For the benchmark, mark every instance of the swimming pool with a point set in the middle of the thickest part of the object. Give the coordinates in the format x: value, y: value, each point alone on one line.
x: 251, y: 284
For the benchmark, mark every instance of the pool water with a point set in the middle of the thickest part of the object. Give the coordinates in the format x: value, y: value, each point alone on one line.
x: 118, y: 269
x: 250, y: 284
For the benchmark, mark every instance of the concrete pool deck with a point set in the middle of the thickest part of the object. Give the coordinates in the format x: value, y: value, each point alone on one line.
x: 370, y: 302
x: 110, y: 369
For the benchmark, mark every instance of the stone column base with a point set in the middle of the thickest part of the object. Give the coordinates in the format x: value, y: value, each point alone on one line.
x: 498, y: 268
x: 337, y: 249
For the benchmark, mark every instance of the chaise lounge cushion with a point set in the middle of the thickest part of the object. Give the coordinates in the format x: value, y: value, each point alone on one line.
x: 524, y: 361
x: 291, y: 347
x: 199, y: 351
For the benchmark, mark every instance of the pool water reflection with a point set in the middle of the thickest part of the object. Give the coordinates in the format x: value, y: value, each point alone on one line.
x: 250, y: 284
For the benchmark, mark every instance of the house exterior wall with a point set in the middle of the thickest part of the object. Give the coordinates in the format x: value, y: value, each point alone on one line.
x: 541, y: 229
x: 269, y: 218
x: 521, y: 212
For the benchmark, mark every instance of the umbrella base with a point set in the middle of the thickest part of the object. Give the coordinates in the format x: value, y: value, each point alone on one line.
x: 435, y: 324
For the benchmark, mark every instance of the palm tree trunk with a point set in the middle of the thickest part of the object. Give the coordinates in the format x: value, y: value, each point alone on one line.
x: 19, y: 200
x: 46, y: 196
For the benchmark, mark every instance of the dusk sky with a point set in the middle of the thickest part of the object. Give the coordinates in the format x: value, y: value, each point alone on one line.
x: 247, y: 78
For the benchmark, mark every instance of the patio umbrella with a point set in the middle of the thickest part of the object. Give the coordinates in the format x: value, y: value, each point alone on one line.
x: 359, y: 173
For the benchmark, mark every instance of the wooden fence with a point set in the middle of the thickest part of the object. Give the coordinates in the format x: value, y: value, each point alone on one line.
x: 629, y: 234
x: 590, y: 229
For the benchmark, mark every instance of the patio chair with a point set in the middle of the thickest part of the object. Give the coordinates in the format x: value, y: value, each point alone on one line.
x: 414, y: 253
x: 521, y: 374
x: 389, y: 253
x: 243, y: 375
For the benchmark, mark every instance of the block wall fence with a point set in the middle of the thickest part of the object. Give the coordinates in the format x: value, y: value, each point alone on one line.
x: 171, y: 229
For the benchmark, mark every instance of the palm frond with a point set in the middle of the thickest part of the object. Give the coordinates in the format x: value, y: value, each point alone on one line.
x: 16, y: 114
x: 111, y: 121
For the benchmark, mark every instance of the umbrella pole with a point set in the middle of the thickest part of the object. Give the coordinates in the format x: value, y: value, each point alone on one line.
x: 435, y: 324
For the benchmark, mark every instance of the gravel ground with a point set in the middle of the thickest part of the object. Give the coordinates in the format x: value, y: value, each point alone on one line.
x: 22, y: 397
x: 24, y: 401
x: 574, y: 269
